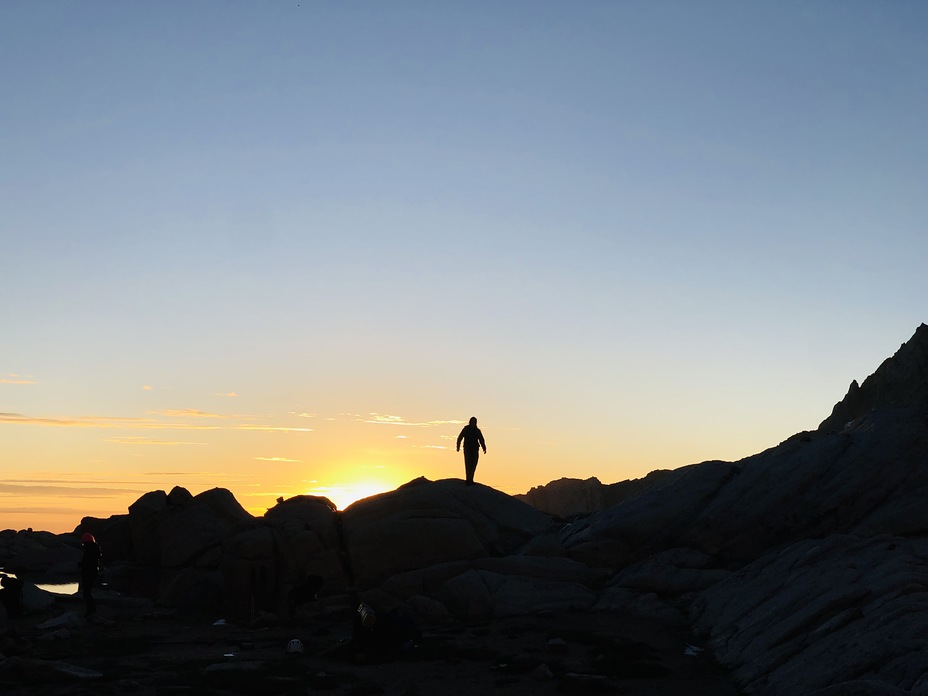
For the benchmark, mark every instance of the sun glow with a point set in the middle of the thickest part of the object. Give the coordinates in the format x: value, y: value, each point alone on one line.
x: 344, y: 494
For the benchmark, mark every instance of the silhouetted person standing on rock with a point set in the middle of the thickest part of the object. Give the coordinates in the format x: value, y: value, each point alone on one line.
x: 473, y: 441
x: 90, y: 566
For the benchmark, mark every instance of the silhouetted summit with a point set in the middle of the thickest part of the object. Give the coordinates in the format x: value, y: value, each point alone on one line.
x: 900, y: 382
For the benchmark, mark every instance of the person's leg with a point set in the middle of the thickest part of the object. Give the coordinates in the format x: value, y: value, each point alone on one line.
x: 470, y: 466
x: 90, y: 605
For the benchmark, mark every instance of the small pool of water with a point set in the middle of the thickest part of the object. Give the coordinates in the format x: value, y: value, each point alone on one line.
x: 59, y: 588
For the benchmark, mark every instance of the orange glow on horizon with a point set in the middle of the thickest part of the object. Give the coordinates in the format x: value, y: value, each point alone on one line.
x: 344, y: 494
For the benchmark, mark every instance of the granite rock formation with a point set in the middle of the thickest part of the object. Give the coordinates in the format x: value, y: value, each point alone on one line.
x: 570, y: 497
x: 802, y: 567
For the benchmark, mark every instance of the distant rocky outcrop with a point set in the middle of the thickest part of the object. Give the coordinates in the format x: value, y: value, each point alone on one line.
x: 802, y: 567
x: 569, y: 497
x: 38, y: 552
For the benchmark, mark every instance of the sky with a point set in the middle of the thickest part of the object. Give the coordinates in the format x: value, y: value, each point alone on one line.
x: 291, y: 247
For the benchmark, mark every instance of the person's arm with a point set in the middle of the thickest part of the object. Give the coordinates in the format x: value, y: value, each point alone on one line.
x: 483, y: 443
x: 460, y: 437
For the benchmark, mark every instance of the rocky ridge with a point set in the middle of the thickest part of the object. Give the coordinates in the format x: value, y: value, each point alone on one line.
x: 802, y: 568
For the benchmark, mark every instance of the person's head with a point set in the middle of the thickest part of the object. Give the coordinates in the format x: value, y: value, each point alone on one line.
x: 87, y: 538
x: 473, y: 420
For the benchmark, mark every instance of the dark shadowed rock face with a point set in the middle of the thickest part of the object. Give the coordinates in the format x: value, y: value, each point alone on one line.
x: 804, y: 564
x: 179, y: 529
x: 867, y: 478
x: 262, y: 563
x: 900, y: 382
x: 845, y: 610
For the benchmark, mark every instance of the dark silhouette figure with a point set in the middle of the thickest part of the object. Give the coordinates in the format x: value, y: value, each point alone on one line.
x: 90, y: 566
x: 473, y: 441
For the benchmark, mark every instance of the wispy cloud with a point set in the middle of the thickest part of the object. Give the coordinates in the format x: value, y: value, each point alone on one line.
x: 139, y: 440
x: 302, y: 415
x: 50, y: 511
x: 84, y: 482
x: 14, y: 489
x: 273, y: 428
x: 16, y: 379
x: 75, y: 422
x: 438, y: 447
x: 229, y: 395
x: 277, y: 459
x: 196, y: 413
x: 145, y: 423
x: 382, y: 419
x: 147, y: 387
x: 101, y: 422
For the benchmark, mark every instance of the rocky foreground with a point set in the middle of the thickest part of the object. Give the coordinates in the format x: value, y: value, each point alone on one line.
x: 800, y: 570
x: 138, y: 648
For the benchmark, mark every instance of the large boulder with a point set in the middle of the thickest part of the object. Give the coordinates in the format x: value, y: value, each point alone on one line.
x: 145, y: 516
x: 178, y: 529
x: 250, y: 572
x: 426, y: 523
x: 262, y: 563
x: 193, y: 529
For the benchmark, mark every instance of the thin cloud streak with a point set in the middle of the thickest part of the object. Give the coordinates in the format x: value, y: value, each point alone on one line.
x: 195, y: 413
x: 278, y: 459
x: 97, y: 482
x: 63, y: 491
x: 273, y: 429
x: 101, y: 422
x: 136, y: 423
x: 381, y: 419
x: 50, y: 511
x: 132, y: 440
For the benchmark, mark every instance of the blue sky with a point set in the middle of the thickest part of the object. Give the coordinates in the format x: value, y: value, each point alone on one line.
x: 625, y: 235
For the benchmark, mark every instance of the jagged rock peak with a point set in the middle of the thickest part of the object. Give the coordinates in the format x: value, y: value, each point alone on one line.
x: 900, y: 382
